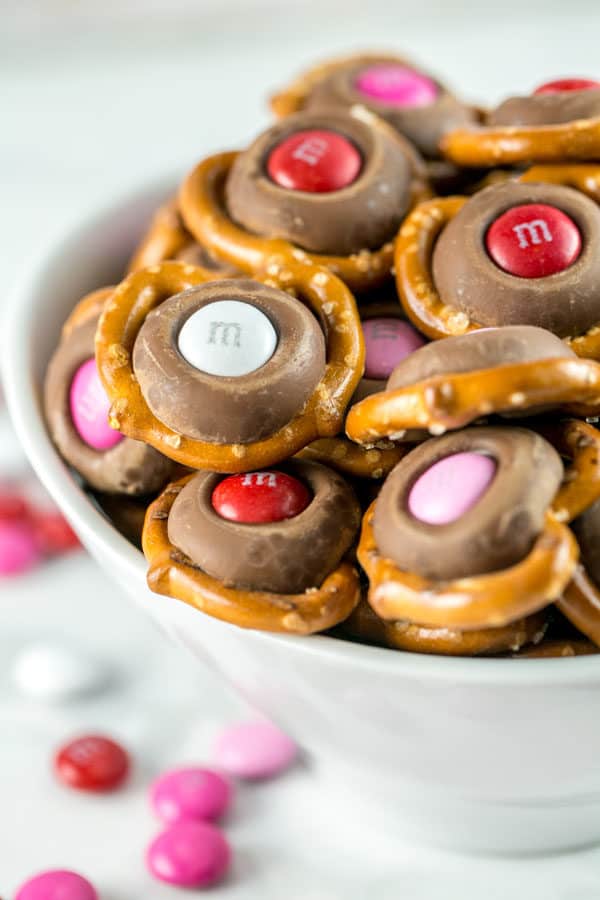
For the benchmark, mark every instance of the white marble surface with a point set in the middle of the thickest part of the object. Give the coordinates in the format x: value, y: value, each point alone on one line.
x: 92, y: 102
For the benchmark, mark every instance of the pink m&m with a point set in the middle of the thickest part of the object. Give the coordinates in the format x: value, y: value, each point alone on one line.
x: 533, y: 240
x: 190, y: 794
x: 314, y: 160
x: 254, y: 750
x: 396, y: 85
x: 387, y: 342
x: 57, y: 885
x: 189, y: 854
x: 20, y: 550
x: 451, y: 487
x: 89, y: 408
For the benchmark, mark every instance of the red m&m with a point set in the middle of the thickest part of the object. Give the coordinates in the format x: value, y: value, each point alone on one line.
x: 314, y: 160
x: 89, y: 408
x: 567, y: 84
x: 92, y: 763
x: 533, y: 240
x: 259, y: 497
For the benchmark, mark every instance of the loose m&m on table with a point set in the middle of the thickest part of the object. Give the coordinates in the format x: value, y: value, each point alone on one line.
x: 92, y: 763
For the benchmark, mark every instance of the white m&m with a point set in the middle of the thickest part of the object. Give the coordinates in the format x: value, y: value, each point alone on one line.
x: 228, y: 338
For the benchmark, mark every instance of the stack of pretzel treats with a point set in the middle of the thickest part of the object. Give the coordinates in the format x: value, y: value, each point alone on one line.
x: 350, y: 380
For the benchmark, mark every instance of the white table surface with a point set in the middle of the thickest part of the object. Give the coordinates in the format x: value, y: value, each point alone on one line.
x: 89, y: 106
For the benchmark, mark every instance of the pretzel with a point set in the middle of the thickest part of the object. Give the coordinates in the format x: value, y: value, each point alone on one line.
x: 414, y: 251
x: 363, y: 624
x: 513, y: 144
x: 579, y: 442
x: 557, y: 648
x: 173, y: 574
x: 205, y: 215
x: 483, y: 601
x: 350, y: 459
x: 322, y: 416
x: 88, y: 307
x: 165, y: 238
x: 580, y: 604
x: 450, y: 401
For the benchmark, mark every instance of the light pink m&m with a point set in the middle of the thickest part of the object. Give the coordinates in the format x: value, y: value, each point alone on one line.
x: 387, y: 342
x: 450, y: 487
x: 189, y: 794
x: 89, y: 408
x: 254, y: 750
x: 189, y: 854
x: 396, y: 85
x: 57, y: 885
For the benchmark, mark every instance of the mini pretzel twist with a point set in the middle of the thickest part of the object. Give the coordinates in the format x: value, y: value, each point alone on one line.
x: 415, y: 243
x: 322, y: 416
x: 557, y: 649
x: 88, y: 307
x: 203, y: 209
x: 445, y: 402
x: 483, y: 601
x: 349, y: 459
x: 173, y: 574
x: 363, y: 624
x: 579, y: 442
x: 514, y: 144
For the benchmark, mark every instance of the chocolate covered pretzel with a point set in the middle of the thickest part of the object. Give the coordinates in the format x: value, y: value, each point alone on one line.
x: 580, y: 602
x: 448, y: 384
x: 261, y: 550
x: 515, y: 253
x: 463, y: 533
x: 417, y: 105
x: 77, y: 408
x: 232, y: 374
x: 560, y: 121
x: 328, y: 187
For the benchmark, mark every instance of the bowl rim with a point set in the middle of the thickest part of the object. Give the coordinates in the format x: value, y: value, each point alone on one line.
x: 22, y: 399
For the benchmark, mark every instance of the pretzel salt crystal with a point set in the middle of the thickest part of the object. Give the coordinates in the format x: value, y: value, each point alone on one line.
x: 173, y: 574
x: 483, y: 601
x: 322, y: 416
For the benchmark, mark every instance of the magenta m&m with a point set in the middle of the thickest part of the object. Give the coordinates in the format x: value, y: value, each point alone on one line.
x: 59, y: 884
x: 20, y: 550
x: 396, y: 85
x: 89, y: 408
x: 259, y: 497
x: 254, y: 750
x: 92, y: 763
x: 189, y: 854
x: 190, y: 794
x: 451, y: 487
x: 533, y: 240
x: 314, y: 160
x: 388, y: 341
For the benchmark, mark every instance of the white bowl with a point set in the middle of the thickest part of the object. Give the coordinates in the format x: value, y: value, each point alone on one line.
x: 476, y: 754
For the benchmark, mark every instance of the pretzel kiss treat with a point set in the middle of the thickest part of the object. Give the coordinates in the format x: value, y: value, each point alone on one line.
x: 332, y: 187
x: 229, y: 375
x: 462, y: 534
x: 418, y: 106
x: 447, y: 384
x: 581, y: 600
x: 77, y: 410
x: 559, y: 121
x: 516, y: 253
x: 261, y: 550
